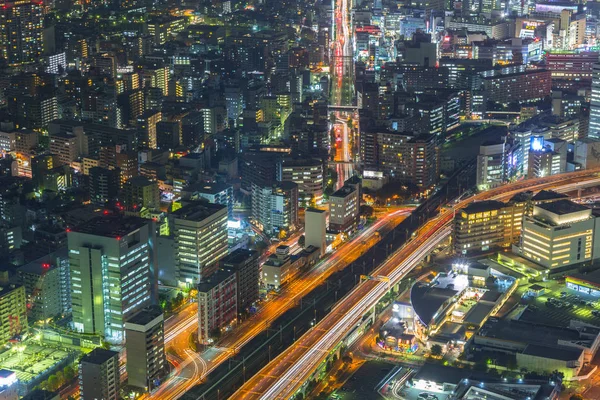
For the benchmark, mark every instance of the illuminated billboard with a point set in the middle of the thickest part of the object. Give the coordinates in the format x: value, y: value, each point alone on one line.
x: 537, y: 143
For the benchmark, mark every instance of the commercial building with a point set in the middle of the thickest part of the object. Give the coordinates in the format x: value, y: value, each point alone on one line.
x: 275, y: 208
x: 539, y: 347
x: 559, y: 234
x: 13, y: 312
x: 217, y: 193
x: 99, y: 375
x: 200, y: 230
x: 516, y: 84
x: 491, y: 165
x: 344, y: 209
x: 594, y: 127
x: 103, y: 185
x: 217, y: 304
x: 64, y: 147
x: 47, y: 286
x: 307, y: 173
x: 244, y: 263
x: 479, y: 227
x: 145, y: 346
x: 116, y: 256
x: 140, y: 192
x: 21, y: 31
x: 571, y: 66
x: 277, y: 270
x: 315, y: 223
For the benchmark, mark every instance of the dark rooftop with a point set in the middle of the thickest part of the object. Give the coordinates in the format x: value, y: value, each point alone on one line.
x: 208, y: 188
x: 99, y: 356
x: 545, y: 195
x: 145, y: 316
x: 237, y: 257
x: 427, y: 300
x: 554, y: 352
x: 207, y: 284
x: 112, y: 226
x: 198, y: 210
x: 440, y: 373
x: 482, y: 206
x: 562, y: 207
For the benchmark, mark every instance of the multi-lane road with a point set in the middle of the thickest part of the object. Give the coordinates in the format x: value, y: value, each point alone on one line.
x: 282, y: 377
x: 191, y: 368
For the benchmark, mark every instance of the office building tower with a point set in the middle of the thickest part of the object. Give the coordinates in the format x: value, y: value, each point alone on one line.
x: 21, y: 31
x: 275, y: 208
x: 516, y: 84
x: 103, y: 185
x: 216, y: 193
x: 146, y: 124
x: 344, y: 209
x: 491, y: 165
x: 145, y: 345
x: 308, y: 174
x: 13, y: 312
x: 315, y: 229
x: 140, y: 192
x: 480, y: 227
x: 594, y: 127
x: 244, y: 263
x: 99, y: 375
x: 217, y: 304
x: 113, y: 274
x: 200, y: 230
x: 559, y: 234
x: 47, y: 286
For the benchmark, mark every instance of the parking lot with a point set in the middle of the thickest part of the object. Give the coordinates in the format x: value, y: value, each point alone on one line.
x: 558, y: 305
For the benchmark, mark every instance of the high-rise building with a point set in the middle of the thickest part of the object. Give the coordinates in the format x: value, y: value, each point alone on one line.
x: 315, y: 229
x: 21, y: 31
x: 147, y: 125
x: 99, y: 375
x: 13, y: 312
x: 113, y: 274
x: 245, y: 265
x: 594, y: 127
x: 308, y: 174
x: 47, y: 286
x: 145, y: 345
x: 344, y: 209
x: 140, y: 192
x: 559, y: 234
x: 217, y: 193
x: 480, y: 227
x: 491, y: 164
x: 275, y: 208
x: 217, y: 304
x: 103, y: 185
x: 200, y: 230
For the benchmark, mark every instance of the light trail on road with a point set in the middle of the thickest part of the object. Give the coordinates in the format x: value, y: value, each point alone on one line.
x: 285, y: 374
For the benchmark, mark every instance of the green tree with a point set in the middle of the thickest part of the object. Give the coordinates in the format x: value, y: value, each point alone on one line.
x: 436, y: 350
x: 69, y: 372
x: 105, y: 345
x: 53, y: 383
x: 576, y: 396
x: 61, y: 378
x: 302, y: 241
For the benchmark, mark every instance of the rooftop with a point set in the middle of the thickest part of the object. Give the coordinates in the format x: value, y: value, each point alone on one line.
x: 545, y: 195
x: 440, y: 373
x: 99, y: 356
x: 343, y: 191
x: 112, y: 226
x: 482, y: 206
x: 198, y: 210
x: 207, y: 188
x: 145, y: 316
x: 553, y: 352
x: 563, y: 207
x: 210, y: 282
x: 238, y: 257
